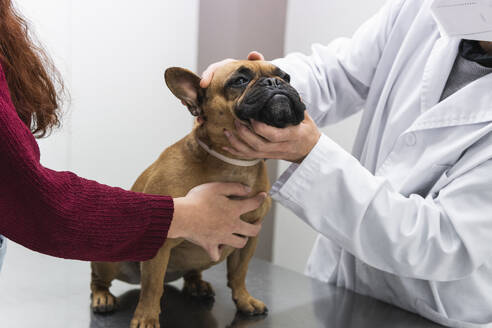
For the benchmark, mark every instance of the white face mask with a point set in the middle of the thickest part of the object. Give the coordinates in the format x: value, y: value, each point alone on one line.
x: 466, y: 19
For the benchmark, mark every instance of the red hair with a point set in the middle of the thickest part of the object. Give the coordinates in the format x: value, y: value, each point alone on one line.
x: 30, y: 73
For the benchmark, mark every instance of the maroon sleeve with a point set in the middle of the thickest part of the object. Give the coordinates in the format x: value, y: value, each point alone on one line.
x: 63, y: 215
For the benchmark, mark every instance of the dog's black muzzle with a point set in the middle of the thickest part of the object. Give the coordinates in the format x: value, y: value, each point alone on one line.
x: 273, y: 102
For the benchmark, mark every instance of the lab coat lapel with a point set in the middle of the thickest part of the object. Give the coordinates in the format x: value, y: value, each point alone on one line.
x: 472, y: 104
x: 437, y: 71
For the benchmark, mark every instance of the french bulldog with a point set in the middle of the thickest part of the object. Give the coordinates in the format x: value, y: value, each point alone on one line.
x: 241, y: 90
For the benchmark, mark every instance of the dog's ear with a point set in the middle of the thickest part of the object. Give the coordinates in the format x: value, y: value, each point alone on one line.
x: 185, y: 85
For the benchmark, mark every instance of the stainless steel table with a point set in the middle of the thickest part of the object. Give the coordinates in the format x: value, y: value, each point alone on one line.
x: 293, y: 300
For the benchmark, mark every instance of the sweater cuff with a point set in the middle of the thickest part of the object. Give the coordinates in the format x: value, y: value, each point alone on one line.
x: 160, y: 211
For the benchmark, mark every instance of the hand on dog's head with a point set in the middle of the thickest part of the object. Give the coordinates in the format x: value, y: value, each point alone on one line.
x: 241, y: 90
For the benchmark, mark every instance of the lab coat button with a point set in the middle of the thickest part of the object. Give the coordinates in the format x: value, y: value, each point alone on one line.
x: 411, y: 139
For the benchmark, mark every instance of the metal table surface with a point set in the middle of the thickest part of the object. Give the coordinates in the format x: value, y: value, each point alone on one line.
x: 41, y: 291
x: 294, y: 301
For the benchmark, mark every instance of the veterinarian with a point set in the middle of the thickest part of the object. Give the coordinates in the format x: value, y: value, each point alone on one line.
x: 60, y: 214
x: 406, y: 218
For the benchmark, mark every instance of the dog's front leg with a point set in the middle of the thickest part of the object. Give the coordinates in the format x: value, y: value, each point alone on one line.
x: 237, y: 267
x: 149, y: 306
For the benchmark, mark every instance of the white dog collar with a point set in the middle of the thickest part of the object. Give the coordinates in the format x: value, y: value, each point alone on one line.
x: 228, y: 160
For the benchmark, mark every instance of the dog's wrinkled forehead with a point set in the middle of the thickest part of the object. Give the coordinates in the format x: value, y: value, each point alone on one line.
x: 246, y: 69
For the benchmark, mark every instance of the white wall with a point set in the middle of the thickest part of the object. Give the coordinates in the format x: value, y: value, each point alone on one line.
x: 123, y: 115
x: 112, y: 54
x: 308, y: 22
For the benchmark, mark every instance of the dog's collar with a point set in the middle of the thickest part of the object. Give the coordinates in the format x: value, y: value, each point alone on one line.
x: 228, y: 160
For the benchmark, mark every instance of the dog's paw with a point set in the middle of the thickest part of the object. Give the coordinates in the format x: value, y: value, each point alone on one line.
x: 199, y: 288
x: 250, y: 306
x: 103, y: 301
x: 145, y: 322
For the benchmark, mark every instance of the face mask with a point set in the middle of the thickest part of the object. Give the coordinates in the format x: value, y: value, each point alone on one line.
x: 470, y: 19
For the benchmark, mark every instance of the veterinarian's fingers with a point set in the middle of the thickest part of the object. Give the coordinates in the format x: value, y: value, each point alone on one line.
x: 262, y: 147
x: 248, y: 229
x: 275, y: 151
x: 239, y: 154
x: 255, y: 55
x: 208, y: 74
x: 272, y: 133
x: 232, y: 189
x: 250, y: 138
x: 252, y: 203
x: 239, y: 145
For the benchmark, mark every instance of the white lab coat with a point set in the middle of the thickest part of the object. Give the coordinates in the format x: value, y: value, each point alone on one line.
x: 407, y: 218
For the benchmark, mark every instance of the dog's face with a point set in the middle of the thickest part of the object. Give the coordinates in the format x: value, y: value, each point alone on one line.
x: 243, y: 90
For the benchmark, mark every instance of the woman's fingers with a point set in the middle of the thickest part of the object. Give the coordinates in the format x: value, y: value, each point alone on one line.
x: 248, y: 229
x: 214, y: 252
x: 252, y: 203
x: 231, y: 188
x: 206, y: 217
x: 255, y: 55
x: 208, y: 74
x: 237, y: 241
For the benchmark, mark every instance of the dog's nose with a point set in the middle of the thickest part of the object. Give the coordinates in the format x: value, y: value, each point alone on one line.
x: 271, y: 82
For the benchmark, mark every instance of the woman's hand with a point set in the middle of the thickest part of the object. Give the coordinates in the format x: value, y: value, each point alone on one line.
x: 206, y: 216
x: 292, y: 143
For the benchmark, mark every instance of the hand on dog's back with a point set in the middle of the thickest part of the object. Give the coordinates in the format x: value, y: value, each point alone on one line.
x: 208, y: 217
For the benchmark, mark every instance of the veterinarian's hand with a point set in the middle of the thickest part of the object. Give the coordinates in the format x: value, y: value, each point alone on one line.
x: 207, y: 216
x: 292, y: 143
x: 208, y: 74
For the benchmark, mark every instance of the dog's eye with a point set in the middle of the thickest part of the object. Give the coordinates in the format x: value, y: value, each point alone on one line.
x: 286, y: 78
x: 239, y: 81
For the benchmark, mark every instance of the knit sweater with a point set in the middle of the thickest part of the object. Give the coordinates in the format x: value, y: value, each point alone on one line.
x: 63, y: 215
x: 463, y: 73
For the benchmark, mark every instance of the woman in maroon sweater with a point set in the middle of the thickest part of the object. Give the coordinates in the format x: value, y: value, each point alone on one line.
x: 63, y: 215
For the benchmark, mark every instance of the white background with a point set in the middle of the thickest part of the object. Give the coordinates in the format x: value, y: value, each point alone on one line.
x: 113, y: 56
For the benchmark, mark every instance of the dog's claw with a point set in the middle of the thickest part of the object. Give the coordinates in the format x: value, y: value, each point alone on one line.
x: 199, y: 288
x: 145, y: 323
x: 103, y: 302
x: 251, y: 306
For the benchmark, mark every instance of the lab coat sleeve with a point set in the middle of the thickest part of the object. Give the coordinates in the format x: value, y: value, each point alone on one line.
x: 440, y: 238
x: 334, y: 80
